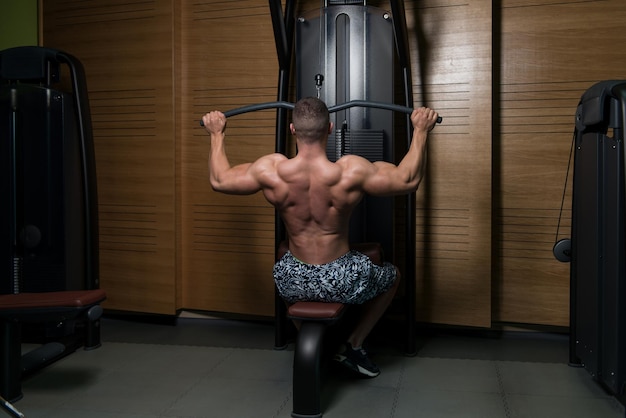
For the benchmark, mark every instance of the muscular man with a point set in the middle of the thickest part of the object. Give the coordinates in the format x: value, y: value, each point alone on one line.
x: 315, y: 198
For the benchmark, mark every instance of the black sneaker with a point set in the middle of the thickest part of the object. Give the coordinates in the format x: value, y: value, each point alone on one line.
x: 356, y: 360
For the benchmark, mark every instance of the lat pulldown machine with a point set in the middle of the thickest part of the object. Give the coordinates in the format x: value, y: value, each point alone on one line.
x: 345, y: 56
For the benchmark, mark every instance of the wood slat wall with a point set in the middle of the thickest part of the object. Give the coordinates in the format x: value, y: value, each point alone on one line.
x: 550, y: 53
x: 486, y: 212
x: 454, y: 203
x: 241, y: 40
x: 224, y: 57
x: 126, y: 49
x: 227, y: 241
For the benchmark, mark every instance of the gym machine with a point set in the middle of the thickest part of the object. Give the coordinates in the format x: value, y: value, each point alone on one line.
x: 345, y: 57
x: 597, y: 249
x: 49, y: 230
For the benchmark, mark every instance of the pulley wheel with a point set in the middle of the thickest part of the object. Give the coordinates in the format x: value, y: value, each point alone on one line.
x: 563, y: 250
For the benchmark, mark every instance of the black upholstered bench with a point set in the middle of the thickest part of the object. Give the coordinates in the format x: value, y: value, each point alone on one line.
x: 16, y: 309
x: 315, y: 317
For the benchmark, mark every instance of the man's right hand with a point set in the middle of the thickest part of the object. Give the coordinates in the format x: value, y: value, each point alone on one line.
x: 214, y: 122
x: 424, y: 119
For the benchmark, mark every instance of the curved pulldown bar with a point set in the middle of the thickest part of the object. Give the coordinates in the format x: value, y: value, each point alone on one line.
x: 332, y: 109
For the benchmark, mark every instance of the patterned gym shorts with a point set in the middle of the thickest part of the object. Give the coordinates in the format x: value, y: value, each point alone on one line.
x: 352, y: 279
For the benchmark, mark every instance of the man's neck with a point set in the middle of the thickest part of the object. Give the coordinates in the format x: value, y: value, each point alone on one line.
x: 312, y: 150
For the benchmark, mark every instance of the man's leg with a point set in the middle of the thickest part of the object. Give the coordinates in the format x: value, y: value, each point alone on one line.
x: 373, y: 311
x: 352, y: 355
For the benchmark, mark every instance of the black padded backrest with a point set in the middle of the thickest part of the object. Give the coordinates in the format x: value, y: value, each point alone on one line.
x: 29, y: 64
x: 47, y: 174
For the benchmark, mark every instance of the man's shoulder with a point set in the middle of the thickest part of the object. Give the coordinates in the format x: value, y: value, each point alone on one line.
x: 276, y: 156
x: 352, y: 162
x: 352, y: 159
x: 272, y: 158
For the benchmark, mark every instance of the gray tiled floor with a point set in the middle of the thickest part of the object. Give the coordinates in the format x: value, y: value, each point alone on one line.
x: 220, y: 368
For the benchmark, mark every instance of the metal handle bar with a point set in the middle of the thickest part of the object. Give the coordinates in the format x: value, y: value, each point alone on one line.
x: 259, y: 106
x: 332, y: 109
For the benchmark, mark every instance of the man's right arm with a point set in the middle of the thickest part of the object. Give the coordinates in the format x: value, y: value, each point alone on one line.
x: 243, y: 179
x: 384, y: 179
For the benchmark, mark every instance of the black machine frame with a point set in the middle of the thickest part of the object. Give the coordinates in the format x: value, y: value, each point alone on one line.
x: 36, y: 72
x: 50, y: 231
x: 598, y: 242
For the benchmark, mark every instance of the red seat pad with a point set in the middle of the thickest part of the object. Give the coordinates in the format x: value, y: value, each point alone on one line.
x: 315, y: 309
x: 69, y: 298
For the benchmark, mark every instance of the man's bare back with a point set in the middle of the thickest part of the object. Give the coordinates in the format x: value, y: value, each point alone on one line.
x: 314, y: 196
x: 319, y: 197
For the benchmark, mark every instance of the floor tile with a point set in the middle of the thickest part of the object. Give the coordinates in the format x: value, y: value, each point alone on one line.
x: 358, y: 399
x: 514, y: 346
x: 448, y: 404
x: 547, y: 379
x: 254, y: 364
x: 529, y: 406
x: 451, y: 375
x: 228, y: 397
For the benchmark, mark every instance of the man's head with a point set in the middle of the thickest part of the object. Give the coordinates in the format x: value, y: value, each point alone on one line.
x: 311, y: 121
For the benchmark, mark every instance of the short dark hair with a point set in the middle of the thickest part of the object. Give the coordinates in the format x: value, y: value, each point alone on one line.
x: 310, y: 119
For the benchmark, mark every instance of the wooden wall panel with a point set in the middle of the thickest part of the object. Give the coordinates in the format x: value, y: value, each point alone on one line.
x: 452, y: 65
x: 126, y: 48
x: 231, y: 62
x: 169, y: 242
x: 227, y: 242
x: 551, y: 52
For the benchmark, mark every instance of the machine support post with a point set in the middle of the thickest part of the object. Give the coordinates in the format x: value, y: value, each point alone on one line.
x: 283, y: 36
x: 402, y: 43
